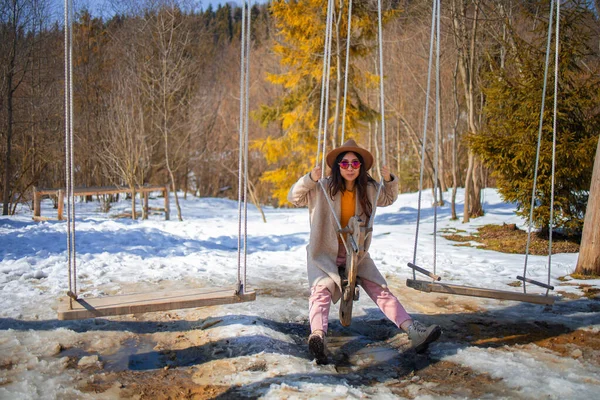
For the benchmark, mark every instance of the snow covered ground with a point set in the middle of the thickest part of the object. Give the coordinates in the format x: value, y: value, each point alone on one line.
x: 258, y: 349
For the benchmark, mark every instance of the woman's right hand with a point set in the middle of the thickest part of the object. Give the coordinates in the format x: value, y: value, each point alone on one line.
x: 315, y: 174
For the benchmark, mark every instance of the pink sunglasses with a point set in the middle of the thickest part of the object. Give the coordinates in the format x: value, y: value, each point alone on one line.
x: 345, y: 164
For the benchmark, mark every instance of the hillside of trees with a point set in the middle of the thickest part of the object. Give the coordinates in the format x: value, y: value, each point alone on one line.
x: 156, y: 96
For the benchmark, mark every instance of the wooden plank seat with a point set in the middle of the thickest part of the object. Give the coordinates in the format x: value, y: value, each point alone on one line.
x: 94, y: 307
x: 438, y: 287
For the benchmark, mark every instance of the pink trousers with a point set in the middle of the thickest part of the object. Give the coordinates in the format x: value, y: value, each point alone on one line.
x: 319, y: 303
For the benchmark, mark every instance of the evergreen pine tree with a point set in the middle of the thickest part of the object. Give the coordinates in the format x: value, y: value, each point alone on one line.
x: 513, y: 101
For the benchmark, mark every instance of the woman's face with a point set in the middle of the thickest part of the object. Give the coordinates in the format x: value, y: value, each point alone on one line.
x: 350, y: 173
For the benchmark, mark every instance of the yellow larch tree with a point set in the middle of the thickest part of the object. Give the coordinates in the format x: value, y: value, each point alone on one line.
x: 299, y: 43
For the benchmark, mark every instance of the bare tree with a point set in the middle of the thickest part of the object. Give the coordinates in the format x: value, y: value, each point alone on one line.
x: 20, y: 22
x: 91, y: 84
x: 168, y: 80
x: 466, y: 43
x: 126, y: 143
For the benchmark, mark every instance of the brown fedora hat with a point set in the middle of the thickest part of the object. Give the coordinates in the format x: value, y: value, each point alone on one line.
x: 350, y: 145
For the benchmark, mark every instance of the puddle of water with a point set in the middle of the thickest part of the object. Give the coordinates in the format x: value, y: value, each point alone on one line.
x: 377, y: 355
x: 136, y: 354
x: 75, y: 352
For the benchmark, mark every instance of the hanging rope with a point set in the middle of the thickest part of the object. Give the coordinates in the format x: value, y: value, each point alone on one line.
x: 425, y: 120
x: 539, y: 142
x: 437, y: 132
x: 324, y: 116
x: 243, y: 148
x: 346, y: 71
x: 248, y: 37
x: 324, y: 109
x: 381, y: 111
x: 67, y: 170
x: 551, y: 222
x: 69, y: 186
x: 381, y: 92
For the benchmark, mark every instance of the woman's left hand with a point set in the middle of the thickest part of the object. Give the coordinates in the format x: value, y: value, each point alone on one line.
x: 385, y: 172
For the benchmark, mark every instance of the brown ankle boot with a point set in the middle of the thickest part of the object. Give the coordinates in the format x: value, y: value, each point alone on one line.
x: 316, y: 346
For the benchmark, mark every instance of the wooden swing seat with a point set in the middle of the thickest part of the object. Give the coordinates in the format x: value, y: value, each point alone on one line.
x: 438, y: 287
x: 349, y: 279
x: 94, y: 307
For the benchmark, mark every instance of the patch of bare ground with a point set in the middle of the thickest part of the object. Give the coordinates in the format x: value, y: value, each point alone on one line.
x: 579, y: 344
x: 161, y: 384
x: 445, y: 378
x: 589, y: 291
x: 508, y: 238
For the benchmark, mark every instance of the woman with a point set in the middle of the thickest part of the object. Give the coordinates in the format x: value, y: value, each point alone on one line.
x: 352, y: 192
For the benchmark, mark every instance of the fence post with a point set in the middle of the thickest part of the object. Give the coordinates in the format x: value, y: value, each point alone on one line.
x: 37, y: 202
x: 166, y: 193
x: 61, y: 203
x: 145, y: 206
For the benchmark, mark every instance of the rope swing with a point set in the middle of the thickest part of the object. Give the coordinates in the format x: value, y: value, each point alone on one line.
x: 434, y: 285
x: 356, y: 233
x: 72, y: 264
x: 243, y: 149
x: 524, y: 278
x: 82, y: 308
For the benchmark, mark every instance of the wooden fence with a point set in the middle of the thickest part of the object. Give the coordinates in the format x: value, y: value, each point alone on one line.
x: 96, y: 191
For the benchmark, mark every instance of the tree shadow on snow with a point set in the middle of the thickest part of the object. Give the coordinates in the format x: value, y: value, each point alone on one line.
x: 408, y: 215
x: 142, y: 242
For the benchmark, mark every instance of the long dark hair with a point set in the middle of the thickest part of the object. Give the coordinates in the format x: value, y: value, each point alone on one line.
x: 338, y: 184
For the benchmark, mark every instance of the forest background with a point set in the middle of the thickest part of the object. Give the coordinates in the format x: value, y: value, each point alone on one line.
x: 157, y: 97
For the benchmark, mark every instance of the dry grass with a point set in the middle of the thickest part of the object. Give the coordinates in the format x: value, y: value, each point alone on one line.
x: 508, y: 238
x: 583, y: 277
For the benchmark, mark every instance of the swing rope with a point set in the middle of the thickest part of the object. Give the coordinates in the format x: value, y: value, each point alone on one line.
x: 381, y: 112
x: 69, y: 175
x: 555, y: 112
x: 539, y: 142
x: 381, y: 93
x: 424, y: 140
x: 324, y: 109
x: 346, y: 70
x: 437, y: 132
x: 243, y: 148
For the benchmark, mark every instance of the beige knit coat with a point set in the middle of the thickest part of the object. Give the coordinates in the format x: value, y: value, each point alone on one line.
x: 322, y: 248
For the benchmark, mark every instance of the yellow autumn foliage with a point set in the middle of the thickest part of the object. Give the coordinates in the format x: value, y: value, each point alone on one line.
x: 300, y: 41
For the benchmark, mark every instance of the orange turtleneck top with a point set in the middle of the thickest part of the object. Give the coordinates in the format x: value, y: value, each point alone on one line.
x: 347, y: 207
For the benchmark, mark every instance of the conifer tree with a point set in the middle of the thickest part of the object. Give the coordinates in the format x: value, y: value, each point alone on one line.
x: 513, y: 102
x: 300, y: 26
